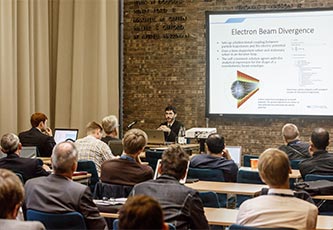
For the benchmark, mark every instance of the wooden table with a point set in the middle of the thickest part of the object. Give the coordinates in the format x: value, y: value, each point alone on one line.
x: 295, y: 173
x: 194, y: 148
x: 46, y: 160
x: 227, y: 187
x: 323, y: 197
x: 83, y: 179
x: 226, y: 217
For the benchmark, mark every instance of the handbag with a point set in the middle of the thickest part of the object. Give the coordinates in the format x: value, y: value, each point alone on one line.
x: 318, y: 187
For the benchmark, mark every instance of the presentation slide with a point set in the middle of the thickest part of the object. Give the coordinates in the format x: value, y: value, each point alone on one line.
x: 270, y: 63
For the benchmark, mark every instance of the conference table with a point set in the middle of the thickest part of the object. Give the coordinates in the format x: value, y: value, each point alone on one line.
x: 226, y: 217
x: 227, y: 187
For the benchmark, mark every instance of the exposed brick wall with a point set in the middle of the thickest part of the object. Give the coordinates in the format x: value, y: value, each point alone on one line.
x: 159, y: 71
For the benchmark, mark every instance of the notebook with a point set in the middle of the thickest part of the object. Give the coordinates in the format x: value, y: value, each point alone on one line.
x: 156, y: 175
x: 155, y: 137
x: 65, y: 134
x: 236, y: 153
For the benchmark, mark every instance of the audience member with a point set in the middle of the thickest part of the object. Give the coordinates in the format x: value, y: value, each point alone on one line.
x: 110, y: 127
x: 92, y: 148
x: 171, y: 126
x: 128, y: 169
x: 11, y: 196
x: 181, y: 205
x: 28, y: 168
x: 57, y: 193
x: 295, y: 149
x: 39, y: 135
x: 321, y: 161
x: 141, y: 212
x: 279, y: 208
x: 217, y: 158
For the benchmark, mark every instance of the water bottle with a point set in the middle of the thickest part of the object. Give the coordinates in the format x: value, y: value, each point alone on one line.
x: 181, y: 135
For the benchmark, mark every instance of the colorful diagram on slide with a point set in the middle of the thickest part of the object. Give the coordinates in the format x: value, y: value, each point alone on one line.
x: 244, y: 87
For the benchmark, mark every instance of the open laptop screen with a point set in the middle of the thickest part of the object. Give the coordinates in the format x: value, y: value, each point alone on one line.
x: 155, y: 136
x: 65, y: 134
x: 236, y: 153
x: 182, y: 181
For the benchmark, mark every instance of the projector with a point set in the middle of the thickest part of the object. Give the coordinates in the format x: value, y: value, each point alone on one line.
x: 201, y: 133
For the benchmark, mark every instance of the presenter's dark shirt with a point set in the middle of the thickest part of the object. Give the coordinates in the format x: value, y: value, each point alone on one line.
x: 171, y: 137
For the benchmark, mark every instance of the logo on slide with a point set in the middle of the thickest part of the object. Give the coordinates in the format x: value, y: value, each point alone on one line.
x: 244, y: 87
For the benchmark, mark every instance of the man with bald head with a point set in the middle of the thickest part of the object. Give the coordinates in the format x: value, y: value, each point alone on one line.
x: 321, y: 161
x: 57, y: 193
x: 294, y: 147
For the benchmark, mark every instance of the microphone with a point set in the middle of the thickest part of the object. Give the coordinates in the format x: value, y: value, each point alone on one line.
x: 130, y: 125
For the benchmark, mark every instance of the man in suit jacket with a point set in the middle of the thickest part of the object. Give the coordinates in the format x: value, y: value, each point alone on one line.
x: 28, y: 168
x: 57, y: 193
x: 11, y: 196
x: 39, y: 135
x: 171, y: 126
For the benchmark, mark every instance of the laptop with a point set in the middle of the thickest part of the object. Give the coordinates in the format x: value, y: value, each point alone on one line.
x: 156, y: 175
x: 29, y: 152
x: 61, y: 135
x: 235, y: 153
x: 155, y: 137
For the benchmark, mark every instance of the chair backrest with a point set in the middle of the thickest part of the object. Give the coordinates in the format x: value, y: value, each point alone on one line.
x: 111, y: 190
x: 294, y: 164
x: 115, y: 225
x: 152, y: 157
x: 90, y: 167
x: 312, y: 177
x: 210, y: 199
x: 247, y: 159
x: 116, y: 147
x: 248, y: 176
x: 19, y: 175
x: 241, y: 227
x: 205, y: 174
x: 69, y: 220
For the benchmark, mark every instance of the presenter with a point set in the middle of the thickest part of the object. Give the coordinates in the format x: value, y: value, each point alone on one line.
x: 171, y: 126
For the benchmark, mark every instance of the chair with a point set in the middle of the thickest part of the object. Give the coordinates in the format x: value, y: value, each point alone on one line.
x: 90, y: 167
x: 294, y: 164
x: 241, y: 227
x: 205, y: 174
x: 249, y: 177
x: 116, y: 147
x: 116, y: 225
x: 247, y: 159
x: 20, y: 176
x: 209, y: 175
x: 152, y: 157
x: 69, y: 220
x: 111, y: 190
x: 210, y: 199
